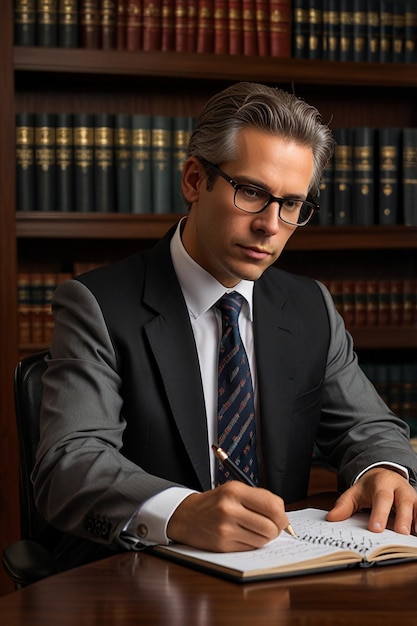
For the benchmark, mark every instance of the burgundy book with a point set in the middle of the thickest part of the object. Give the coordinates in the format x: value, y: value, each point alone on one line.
x: 89, y: 24
x: 250, y: 46
x: 221, y: 27
x: 152, y: 24
x: 235, y: 27
x: 168, y: 25
x: 121, y: 24
x: 108, y: 24
x: 192, y: 30
x: 205, y: 26
x: 262, y: 27
x: 280, y: 28
x: 181, y: 19
x: 134, y: 24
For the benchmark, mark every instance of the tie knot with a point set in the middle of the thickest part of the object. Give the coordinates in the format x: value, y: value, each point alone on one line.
x: 230, y: 305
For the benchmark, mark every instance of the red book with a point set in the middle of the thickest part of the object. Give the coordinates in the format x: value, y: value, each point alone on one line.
x: 262, y: 26
x: 348, y: 306
x: 121, y: 24
x: 205, y: 26
x: 410, y: 301
x: 280, y: 28
x: 221, y: 27
x: 168, y: 25
x: 181, y: 17
x: 152, y: 25
x: 89, y: 24
x: 108, y: 24
x: 235, y: 27
x: 396, y: 304
x: 371, y: 302
x: 384, y: 313
x: 250, y: 46
x: 192, y: 30
x: 360, y: 302
x: 134, y: 24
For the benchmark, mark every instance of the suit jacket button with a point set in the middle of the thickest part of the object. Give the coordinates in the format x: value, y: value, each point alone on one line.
x: 142, y: 531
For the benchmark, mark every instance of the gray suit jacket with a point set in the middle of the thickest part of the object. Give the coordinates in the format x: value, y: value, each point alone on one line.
x: 123, y: 414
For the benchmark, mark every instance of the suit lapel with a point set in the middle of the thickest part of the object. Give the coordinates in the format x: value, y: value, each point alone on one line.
x: 172, y: 342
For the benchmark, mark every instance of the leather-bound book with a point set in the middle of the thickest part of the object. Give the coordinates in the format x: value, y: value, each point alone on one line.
x: 181, y: 133
x: 108, y: 24
x: 250, y: 43
x: 45, y: 176
x: 83, y: 162
x: 168, y: 26
x: 389, y: 174
x: 123, y: 162
x: 121, y: 24
x: 141, y: 164
x: 363, y: 187
x: 205, y: 26
x: 64, y: 162
x: 300, y: 28
x: 221, y: 27
x: 47, y: 23
x: 68, y: 23
x: 181, y: 25
x: 134, y: 25
x: 280, y: 28
x: 409, y: 176
x: 410, y: 32
x: 152, y: 25
x: 25, y: 162
x: 89, y: 11
x: 25, y: 22
x: 235, y: 26
x: 343, y: 177
x: 104, y: 163
x: 161, y: 142
x: 262, y: 27
x: 360, y: 29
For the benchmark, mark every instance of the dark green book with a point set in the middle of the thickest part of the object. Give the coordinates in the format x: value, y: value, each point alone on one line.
x: 331, y: 30
x: 346, y: 30
x: 410, y: 32
x: 363, y: 189
x: 141, y: 164
x: 409, y: 176
x: 300, y: 29
x: 389, y: 174
x: 123, y: 162
x: 182, y: 129
x: 68, y: 23
x: 360, y: 29
x: 342, y: 168
x: 398, y: 32
x: 161, y: 143
x: 325, y: 215
x: 45, y: 168
x: 104, y: 163
x: 64, y: 163
x: 315, y: 39
x: 25, y: 162
x: 386, y: 31
x: 25, y: 22
x: 373, y: 34
x: 47, y: 23
x: 83, y: 162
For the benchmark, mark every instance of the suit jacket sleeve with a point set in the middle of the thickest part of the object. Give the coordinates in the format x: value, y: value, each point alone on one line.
x: 356, y: 427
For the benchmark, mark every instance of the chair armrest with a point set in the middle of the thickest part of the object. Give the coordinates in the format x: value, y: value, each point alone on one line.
x: 27, y: 561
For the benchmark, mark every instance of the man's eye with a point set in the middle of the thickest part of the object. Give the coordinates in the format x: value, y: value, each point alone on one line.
x: 292, y: 205
x: 252, y: 193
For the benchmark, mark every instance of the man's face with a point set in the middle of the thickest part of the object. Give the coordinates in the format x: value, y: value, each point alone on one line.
x: 228, y: 243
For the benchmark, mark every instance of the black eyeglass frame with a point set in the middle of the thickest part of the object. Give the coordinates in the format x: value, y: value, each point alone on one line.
x: 236, y: 186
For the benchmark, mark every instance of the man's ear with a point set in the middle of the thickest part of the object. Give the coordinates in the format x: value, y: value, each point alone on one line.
x: 192, y: 177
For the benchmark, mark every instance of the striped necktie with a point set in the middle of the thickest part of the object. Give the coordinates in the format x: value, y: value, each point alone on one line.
x: 236, y: 409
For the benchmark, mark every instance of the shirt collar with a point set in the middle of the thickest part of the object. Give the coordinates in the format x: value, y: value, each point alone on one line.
x: 201, y: 290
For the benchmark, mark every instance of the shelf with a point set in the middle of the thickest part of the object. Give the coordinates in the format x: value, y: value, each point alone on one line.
x: 213, y: 67
x: 117, y: 226
x: 386, y: 337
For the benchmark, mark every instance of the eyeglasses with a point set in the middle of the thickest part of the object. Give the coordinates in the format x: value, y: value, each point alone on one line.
x: 254, y: 199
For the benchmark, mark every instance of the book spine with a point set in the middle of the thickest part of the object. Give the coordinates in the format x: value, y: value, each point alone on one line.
x: 410, y: 32
x: 360, y: 302
x: 141, y: 164
x: 36, y: 308
x: 134, y: 25
x: 83, y: 133
x: 168, y: 26
x: 47, y: 23
x: 221, y: 27
x: 371, y: 302
x: 343, y: 156
x: 49, y: 284
x: 389, y: 162
x: 121, y: 24
x: 363, y: 189
x: 123, y: 162
x: 409, y: 176
x: 326, y: 19
x: 398, y: 32
x: 68, y: 23
x: 386, y: 18
x: 64, y: 162
x: 262, y: 27
x: 326, y: 202
x: 25, y: 162
x: 280, y: 28
x: 384, y: 317
x: 315, y: 44
x: 108, y: 24
x: 152, y: 25
x: 373, y: 31
x: 161, y: 142
x: 250, y: 47
x: 192, y: 26
x: 331, y: 31
x: 23, y: 308
x: 205, y: 26
x: 346, y: 31
x: 89, y: 15
x: 396, y: 291
x: 104, y: 162
x: 235, y: 27
x: 25, y: 22
x: 45, y: 161
x: 360, y: 27
x: 181, y: 23
x: 182, y: 129
x: 409, y: 301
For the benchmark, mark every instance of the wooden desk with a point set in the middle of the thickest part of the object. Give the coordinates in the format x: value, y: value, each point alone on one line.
x: 140, y: 589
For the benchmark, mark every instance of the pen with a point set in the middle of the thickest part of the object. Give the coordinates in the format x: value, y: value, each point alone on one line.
x: 244, y: 478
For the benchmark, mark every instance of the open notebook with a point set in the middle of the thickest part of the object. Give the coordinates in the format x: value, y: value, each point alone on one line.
x: 319, y: 546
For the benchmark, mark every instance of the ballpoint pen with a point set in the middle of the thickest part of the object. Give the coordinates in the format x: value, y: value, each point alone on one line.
x: 239, y: 475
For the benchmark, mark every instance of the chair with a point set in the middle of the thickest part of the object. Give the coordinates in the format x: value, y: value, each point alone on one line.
x: 29, y: 559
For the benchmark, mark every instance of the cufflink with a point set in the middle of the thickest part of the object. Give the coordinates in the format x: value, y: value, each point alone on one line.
x: 142, y: 531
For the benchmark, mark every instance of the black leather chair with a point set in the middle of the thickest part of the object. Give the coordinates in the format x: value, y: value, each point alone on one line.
x: 29, y: 559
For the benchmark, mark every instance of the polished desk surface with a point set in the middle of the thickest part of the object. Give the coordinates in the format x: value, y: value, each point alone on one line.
x: 142, y: 589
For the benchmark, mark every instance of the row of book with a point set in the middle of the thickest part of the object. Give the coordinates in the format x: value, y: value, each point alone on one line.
x: 396, y: 383
x: 99, y: 162
x: 372, y: 178
x: 132, y: 164
x: 374, y: 302
x: 338, y: 30
x: 377, y: 31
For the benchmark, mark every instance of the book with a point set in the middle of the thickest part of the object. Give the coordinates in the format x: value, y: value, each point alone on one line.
x: 167, y: 26
x: 346, y: 31
x: 25, y: 162
x: 300, y: 29
x: 181, y: 25
x: 25, y: 22
x: 389, y: 161
x: 372, y: 50
x: 360, y: 27
x: 152, y: 25
x: 45, y: 173
x: 134, y: 24
x: 205, y: 26
x: 181, y: 132
x: 234, y: 26
x: 250, y: 46
x: 410, y: 32
x: 262, y: 27
x: 108, y: 24
x: 83, y: 133
x: 319, y: 546
x: 342, y: 171
x: 331, y: 30
x: 409, y: 176
x: 141, y: 163
x: 104, y: 163
x: 363, y: 188
x: 123, y: 162
x: 47, y: 23
x: 315, y: 43
x: 161, y: 155
x: 68, y: 23
x: 191, y: 28
x: 280, y: 28
x: 398, y: 32
x: 64, y: 162
x: 89, y: 16
x: 121, y: 24
x: 221, y: 27
x: 386, y: 25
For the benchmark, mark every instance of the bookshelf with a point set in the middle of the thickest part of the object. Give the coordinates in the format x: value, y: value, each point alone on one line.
x: 75, y: 80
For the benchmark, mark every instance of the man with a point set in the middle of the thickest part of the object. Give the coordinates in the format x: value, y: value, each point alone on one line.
x: 130, y: 395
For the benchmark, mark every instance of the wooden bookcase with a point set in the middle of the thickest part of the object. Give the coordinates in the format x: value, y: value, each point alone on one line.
x: 61, y: 80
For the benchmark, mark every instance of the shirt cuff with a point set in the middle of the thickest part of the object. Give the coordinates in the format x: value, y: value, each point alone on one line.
x: 147, y: 527
x: 387, y: 464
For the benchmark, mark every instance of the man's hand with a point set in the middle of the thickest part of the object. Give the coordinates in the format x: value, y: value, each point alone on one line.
x: 230, y: 518
x: 381, y: 490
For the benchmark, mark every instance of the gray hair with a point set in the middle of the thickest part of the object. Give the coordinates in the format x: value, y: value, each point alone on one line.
x: 271, y: 109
